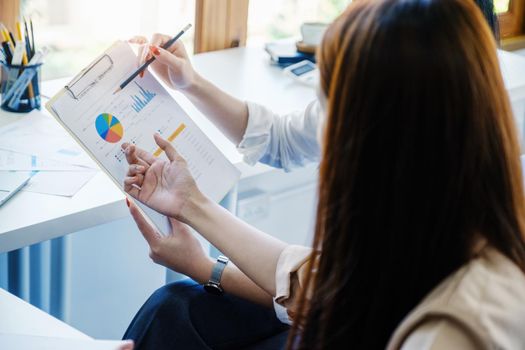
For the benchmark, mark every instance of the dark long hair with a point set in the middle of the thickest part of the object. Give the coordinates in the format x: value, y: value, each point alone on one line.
x: 420, y: 159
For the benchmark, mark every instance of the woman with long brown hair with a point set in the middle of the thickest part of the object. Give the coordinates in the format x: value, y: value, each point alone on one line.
x: 420, y: 177
x: 419, y: 238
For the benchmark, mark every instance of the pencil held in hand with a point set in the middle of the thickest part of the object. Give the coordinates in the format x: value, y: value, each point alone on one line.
x: 143, y: 67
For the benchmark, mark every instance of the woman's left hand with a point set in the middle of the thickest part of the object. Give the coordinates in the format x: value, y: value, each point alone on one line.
x: 172, y: 65
x: 163, y: 185
x: 180, y: 251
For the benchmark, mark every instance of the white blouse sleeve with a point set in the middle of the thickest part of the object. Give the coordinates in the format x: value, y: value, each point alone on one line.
x: 287, y: 141
x: 439, y: 334
x: 290, y: 260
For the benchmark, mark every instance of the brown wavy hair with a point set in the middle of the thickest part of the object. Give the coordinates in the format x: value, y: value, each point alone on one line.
x: 420, y: 160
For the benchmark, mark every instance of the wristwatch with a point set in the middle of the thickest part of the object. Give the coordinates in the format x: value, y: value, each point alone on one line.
x: 214, y: 284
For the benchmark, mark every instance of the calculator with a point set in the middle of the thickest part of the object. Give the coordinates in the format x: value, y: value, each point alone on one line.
x: 304, y: 72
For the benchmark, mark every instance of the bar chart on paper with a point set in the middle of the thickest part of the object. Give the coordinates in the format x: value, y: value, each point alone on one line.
x: 142, y: 99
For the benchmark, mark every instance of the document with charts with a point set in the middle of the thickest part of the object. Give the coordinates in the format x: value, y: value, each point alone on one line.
x: 101, y: 121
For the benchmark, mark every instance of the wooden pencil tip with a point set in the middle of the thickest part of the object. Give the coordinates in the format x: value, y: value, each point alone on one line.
x: 118, y: 90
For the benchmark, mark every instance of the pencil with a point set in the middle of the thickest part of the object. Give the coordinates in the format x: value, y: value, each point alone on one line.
x: 148, y: 62
x: 32, y: 35
x: 28, y: 43
x: 25, y: 62
x: 7, y: 52
x: 19, y: 31
x: 9, y: 38
x: 6, y: 47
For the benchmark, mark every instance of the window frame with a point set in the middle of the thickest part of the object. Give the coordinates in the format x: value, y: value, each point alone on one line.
x: 511, y: 22
x: 220, y: 24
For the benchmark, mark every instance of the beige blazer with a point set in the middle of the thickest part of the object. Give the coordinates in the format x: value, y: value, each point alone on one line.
x: 480, y: 306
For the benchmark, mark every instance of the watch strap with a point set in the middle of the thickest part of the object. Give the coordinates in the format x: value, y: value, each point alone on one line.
x: 217, y: 270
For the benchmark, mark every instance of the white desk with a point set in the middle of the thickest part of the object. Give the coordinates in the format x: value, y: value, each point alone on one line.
x: 513, y: 71
x: 30, y: 218
x: 19, y: 317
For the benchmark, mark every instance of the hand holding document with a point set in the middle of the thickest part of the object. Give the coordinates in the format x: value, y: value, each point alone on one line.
x: 101, y: 121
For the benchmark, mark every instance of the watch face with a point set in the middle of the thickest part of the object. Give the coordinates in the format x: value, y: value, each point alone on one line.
x: 213, y: 288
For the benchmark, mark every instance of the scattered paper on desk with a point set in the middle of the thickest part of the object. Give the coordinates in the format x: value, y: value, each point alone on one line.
x: 15, y: 161
x: 59, y: 183
x: 31, y: 342
x: 40, y: 135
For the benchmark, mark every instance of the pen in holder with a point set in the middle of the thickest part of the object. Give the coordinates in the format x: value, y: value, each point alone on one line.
x: 20, y: 87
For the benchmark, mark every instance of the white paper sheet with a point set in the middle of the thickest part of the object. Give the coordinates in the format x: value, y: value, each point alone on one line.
x: 10, y: 160
x: 59, y: 183
x: 133, y: 115
x: 40, y: 135
x: 30, y: 342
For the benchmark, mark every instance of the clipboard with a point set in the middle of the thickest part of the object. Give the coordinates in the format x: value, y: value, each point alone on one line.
x: 84, y: 81
x: 98, y: 80
x: 77, y: 88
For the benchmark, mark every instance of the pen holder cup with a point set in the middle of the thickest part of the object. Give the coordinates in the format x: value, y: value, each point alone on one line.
x: 20, y: 87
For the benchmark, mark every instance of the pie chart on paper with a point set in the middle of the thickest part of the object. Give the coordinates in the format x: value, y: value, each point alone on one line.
x: 109, y: 128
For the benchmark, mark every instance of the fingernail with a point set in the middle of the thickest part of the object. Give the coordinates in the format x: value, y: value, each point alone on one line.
x: 127, y: 202
x: 140, y: 168
x: 154, y: 50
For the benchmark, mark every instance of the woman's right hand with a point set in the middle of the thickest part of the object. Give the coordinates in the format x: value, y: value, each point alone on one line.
x: 172, y: 65
x: 165, y: 185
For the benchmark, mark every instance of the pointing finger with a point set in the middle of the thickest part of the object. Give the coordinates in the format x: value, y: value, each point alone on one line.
x: 166, y: 147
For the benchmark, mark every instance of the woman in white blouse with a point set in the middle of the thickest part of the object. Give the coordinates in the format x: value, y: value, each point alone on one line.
x: 419, y: 241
